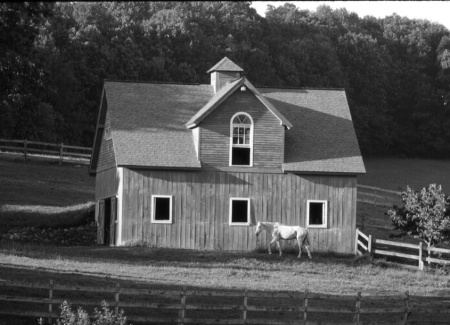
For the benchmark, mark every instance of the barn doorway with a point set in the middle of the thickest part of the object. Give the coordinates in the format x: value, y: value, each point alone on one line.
x: 107, y: 231
x: 107, y: 222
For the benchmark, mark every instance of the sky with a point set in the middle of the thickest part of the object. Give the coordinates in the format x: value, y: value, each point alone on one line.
x: 434, y: 11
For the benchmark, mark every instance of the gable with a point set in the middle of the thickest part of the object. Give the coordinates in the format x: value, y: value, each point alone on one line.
x: 216, y: 131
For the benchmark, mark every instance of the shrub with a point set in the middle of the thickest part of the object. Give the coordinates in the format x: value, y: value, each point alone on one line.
x: 81, y: 317
x: 425, y: 215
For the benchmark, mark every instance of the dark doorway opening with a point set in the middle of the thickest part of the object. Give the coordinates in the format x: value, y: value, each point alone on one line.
x: 107, y: 223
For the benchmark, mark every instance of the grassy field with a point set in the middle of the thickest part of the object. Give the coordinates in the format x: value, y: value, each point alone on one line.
x: 42, y: 193
x: 395, y: 174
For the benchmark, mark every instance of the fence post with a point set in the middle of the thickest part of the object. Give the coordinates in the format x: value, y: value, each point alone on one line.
x: 305, y: 306
x: 116, y: 298
x: 428, y: 255
x: 50, y: 296
x: 356, y: 241
x: 25, y: 145
x: 182, y: 313
x: 244, y: 311
x: 61, y: 153
x: 420, y: 257
x: 369, y: 245
x: 357, y: 307
x: 405, y: 317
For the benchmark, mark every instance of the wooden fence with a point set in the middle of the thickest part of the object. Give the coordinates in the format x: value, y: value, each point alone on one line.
x: 366, y: 244
x: 265, y: 307
x: 378, y: 196
x: 59, y: 150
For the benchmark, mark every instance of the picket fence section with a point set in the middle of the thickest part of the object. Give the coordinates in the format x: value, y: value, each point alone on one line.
x: 301, y: 310
x: 365, y: 244
x: 59, y: 149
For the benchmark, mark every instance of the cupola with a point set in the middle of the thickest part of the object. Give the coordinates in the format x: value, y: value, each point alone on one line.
x: 224, y: 72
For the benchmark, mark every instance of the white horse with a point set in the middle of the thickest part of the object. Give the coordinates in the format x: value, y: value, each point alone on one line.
x: 285, y: 232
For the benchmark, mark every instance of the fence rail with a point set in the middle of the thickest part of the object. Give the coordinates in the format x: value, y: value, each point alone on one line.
x: 378, y: 247
x: 241, y: 303
x: 377, y: 196
x: 54, y: 149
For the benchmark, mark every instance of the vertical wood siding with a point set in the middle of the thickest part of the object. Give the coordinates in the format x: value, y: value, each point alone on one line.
x: 106, y: 184
x: 201, y: 208
x: 267, y: 136
x: 106, y: 157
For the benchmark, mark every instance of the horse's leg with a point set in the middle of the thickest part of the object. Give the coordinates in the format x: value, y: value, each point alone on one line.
x: 279, y: 247
x: 299, y: 247
x: 271, y: 242
x: 307, y: 249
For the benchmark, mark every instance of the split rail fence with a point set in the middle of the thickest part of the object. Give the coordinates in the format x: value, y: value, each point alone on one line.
x: 366, y: 244
x: 50, y: 149
x: 182, y: 306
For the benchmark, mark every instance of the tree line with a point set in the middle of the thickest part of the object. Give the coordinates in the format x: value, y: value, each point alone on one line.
x: 55, y: 56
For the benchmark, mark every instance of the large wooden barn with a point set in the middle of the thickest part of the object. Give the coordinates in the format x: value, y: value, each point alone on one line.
x: 196, y: 166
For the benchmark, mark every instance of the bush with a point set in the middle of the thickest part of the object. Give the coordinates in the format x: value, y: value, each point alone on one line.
x: 81, y: 317
x: 425, y: 215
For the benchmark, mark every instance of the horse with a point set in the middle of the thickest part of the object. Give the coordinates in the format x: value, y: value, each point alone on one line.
x: 285, y: 232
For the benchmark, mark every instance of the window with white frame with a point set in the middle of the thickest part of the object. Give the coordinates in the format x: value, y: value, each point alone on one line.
x: 316, y: 213
x: 239, y: 211
x: 241, y: 140
x: 161, y: 209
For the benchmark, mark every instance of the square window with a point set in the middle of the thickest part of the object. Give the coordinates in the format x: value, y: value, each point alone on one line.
x: 240, y: 156
x: 316, y: 214
x: 240, y: 211
x: 161, y: 209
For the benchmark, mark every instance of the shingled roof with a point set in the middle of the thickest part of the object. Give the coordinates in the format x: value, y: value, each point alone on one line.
x: 147, y: 122
x: 323, y: 138
x: 226, y: 65
x: 148, y: 126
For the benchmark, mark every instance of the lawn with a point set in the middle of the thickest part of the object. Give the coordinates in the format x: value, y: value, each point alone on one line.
x: 395, y: 173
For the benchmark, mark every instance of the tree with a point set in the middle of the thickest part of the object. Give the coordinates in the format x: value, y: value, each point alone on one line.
x: 425, y: 215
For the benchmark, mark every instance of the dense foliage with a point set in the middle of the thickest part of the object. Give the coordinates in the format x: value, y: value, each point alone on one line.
x: 425, y: 215
x: 396, y: 71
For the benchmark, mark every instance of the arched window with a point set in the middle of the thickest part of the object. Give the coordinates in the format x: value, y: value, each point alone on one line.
x: 241, y: 139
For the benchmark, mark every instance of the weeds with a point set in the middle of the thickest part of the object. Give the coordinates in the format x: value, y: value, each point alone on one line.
x: 104, y: 316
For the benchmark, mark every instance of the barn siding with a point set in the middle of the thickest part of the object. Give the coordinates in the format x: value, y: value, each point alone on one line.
x: 106, y: 183
x: 106, y: 158
x: 267, y: 135
x: 201, y: 208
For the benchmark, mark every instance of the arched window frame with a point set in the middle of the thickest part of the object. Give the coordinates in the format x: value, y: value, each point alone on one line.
x: 250, y: 145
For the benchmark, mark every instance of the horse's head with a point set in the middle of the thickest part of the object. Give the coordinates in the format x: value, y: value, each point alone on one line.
x: 258, y: 228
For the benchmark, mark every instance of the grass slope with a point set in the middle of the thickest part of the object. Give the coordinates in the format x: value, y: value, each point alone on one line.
x: 41, y: 193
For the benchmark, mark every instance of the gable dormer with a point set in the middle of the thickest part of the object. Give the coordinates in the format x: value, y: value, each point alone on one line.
x: 238, y: 127
x: 224, y: 72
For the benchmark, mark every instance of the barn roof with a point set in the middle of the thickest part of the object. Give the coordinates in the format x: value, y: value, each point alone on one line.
x: 226, y: 65
x: 224, y: 93
x: 148, y: 125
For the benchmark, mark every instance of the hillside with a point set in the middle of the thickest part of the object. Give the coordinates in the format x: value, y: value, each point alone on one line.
x: 39, y: 192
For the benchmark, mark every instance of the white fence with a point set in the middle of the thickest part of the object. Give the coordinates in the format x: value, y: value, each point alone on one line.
x: 367, y: 245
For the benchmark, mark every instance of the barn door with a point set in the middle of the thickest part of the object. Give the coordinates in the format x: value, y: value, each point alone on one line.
x: 113, y: 222
x: 101, y: 222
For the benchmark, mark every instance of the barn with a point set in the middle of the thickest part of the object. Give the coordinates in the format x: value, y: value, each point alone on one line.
x: 195, y: 166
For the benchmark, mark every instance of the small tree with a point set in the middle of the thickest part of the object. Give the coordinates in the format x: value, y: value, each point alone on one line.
x: 425, y: 215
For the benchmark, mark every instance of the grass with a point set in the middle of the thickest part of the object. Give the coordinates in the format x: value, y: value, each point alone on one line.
x: 326, y: 273
x: 40, y: 193
x: 395, y: 173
